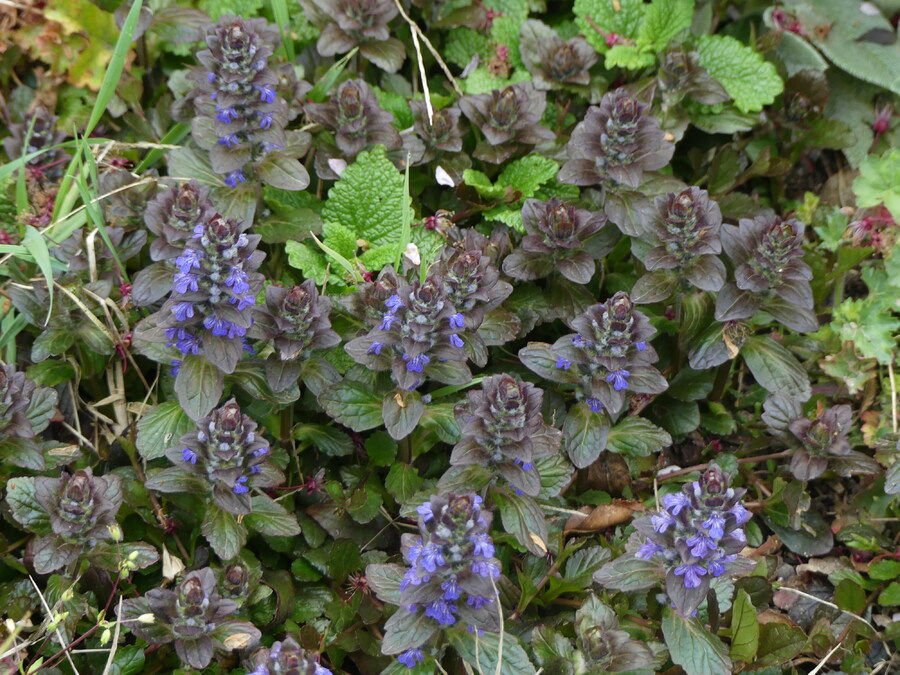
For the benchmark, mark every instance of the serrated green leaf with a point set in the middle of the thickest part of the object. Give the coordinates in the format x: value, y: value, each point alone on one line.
x: 528, y: 174
x: 199, y: 386
x: 750, y: 80
x: 879, y: 182
x: 482, y: 652
x: 622, y: 17
x: 223, y: 532
x: 271, y: 518
x: 775, y: 368
x: 340, y: 238
x: 20, y: 495
x: 663, y: 20
x: 368, y: 199
x: 630, y: 57
x: 402, y: 481
x: 308, y: 259
x: 637, y: 437
x: 866, y: 323
x: 744, y: 628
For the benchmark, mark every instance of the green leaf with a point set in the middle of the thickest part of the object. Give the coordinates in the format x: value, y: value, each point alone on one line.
x: 128, y: 660
x: 51, y: 372
x: 483, y: 652
x: 637, y: 437
x: 598, y: 18
x: 20, y: 495
x: 41, y: 408
x: 890, y: 596
x: 160, y: 428
x: 269, y: 517
x: 223, y: 532
x: 199, y: 386
x: 402, y: 482
x: 629, y: 573
x: 368, y: 199
x: 744, y: 628
x: 750, y: 80
x: 869, y: 326
x: 693, y: 647
x: 884, y: 569
x: 381, y: 449
x: 586, y: 434
x: 778, y: 644
x: 523, y: 518
x: 333, y: 442
x: 528, y: 174
x: 352, y: 404
x: 309, y: 260
x: 36, y: 245
x: 663, y: 20
x: 775, y: 368
x: 629, y: 57
x: 879, y: 182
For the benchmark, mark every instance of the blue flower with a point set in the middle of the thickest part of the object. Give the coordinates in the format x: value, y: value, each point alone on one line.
x: 242, y: 301
x: 240, y: 486
x: 701, y: 545
x: 229, y: 140
x: 265, y: 119
x: 185, y: 283
x: 393, y: 303
x: 266, y: 93
x: 691, y: 574
x: 640, y: 346
x: 579, y: 341
x: 483, y: 545
x: 417, y: 363
x: 226, y: 115
x: 740, y: 514
x: 457, y: 321
x: 188, y: 260
x: 456, y: 341
x: 478, y: 601
x: 232, y: 179
x: 662, y: 521
x: 649, y: 549
x: 677, y: 502
x: 386, y: 321
x: 594, y: 404
x: 411, y: 657
x: 237, y: 281
x: 451, y: 589
x: 442, y: 611
x: 485, y: 568
x: 431, y: 558
x: 176, y: 366
x: 375, y: 348
x: 210, y: 77
x: 717, y: 567
x: 563, y: 363
x: 425, y: 511
x: 189, y: 455
x: 619, y: 379
x: 183, y: 311
x: 259, y: 452
x: 715, y: 525
x: 219, y: 327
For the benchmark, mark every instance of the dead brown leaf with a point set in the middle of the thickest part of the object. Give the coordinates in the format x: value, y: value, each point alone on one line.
x: 601, y: 517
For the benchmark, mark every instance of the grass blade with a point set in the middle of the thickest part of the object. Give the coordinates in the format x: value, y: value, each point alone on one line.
x: 282, y: 18
x: 320, y: 92
x: 37, y: 247
x: 172, y: 137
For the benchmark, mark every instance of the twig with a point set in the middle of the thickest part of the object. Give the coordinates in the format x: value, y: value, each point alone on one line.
x: 502, y: 626
x: 59, y: 635
x: 434, y: 52
x: 825, y: 659
x: 115, y: 639
x: 893, y: 382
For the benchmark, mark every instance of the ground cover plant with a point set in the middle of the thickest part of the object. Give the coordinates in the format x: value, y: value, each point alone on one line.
x: 449, y: 336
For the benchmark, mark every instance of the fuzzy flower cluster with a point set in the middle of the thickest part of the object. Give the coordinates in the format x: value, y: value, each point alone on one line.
x: 300, y: 322
x: 82, y: 509
x: 509, y: 120
x: 209, y: 309
x: 609, y: 354
x: 193, y: 616
x: 697, y: 536
x: 240, y: 118
x: 228, y: 454
x: 419, y: 336
x: 686, y: 226
x: 559, y: 237
x: 616, y: 142
x: 172, y: 216
x: 286, y: 658
x: 502, y: 426
x: 451, y: 567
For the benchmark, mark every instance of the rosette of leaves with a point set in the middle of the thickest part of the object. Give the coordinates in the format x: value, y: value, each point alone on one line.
x: 286, y: 658
x: 442, y: 133
x: 80, y: 509
x: 769, y: 273
x: 695, y: 537
x: 297, y: 322
x: 356, y: 121
x: 509, y: 119
x: 559, y: 237
x: 221, y: 462
x: 473, y: 286
x: 40, y: 132
x: 418, y: 339
x: 601, y: 645
x: 346, y: 24
x: 25, y: 411
x: 210, y: 307
x: 171, y: 216
x: 609, y: 355
x: 615, y: 144
x: 449, y: 580
x: 819, y: 443
x: 502, y: 427
x: 239, y: 117
x: 552, y: 61
x: 193, y: 617
x: 683, y: 232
